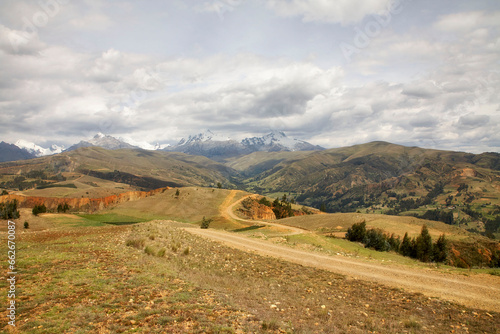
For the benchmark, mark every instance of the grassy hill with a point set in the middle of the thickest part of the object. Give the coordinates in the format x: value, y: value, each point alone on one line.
x: 192, y: 204
x: 137, y: 168
x: 381, y: 177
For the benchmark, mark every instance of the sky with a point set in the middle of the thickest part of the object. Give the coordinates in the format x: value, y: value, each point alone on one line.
x: 334, y: 73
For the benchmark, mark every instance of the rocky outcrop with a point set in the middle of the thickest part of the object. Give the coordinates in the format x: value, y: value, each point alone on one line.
x: 80, y: 204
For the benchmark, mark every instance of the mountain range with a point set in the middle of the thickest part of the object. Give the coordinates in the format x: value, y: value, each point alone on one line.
x: 206, y: 144
x: 220, y: 148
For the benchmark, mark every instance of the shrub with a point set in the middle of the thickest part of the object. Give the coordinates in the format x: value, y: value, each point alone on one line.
x: 357, y: 232
x: 376, y: 239
x: 39, y: 209
x: 205, y: 223
x: 26, y: 225
x: 149, y: 250
x: 161, y: 252
x: 136, y: 243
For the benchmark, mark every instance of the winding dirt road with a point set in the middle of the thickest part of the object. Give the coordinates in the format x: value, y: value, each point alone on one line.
x: 477, y: 291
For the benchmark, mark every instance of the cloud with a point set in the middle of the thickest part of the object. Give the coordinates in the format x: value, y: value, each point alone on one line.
x: 467, y: 21
x: 432, y: 84
x: 340, y: 11
x: 472, y: 121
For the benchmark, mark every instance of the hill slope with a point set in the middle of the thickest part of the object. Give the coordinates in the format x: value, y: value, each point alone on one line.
x: 140, y: 168
x: 373, y: 174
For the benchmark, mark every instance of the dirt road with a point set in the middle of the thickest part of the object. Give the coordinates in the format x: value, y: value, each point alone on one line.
x: 477, y: 291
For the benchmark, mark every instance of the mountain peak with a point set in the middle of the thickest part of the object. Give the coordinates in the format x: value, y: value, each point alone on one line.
x: 203, y: 137
x: 100, y: 135
x: 37, y: 150
x: 105, y: 141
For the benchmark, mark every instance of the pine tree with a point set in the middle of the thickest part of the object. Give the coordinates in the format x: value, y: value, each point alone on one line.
x: 406, y: 247
x: 440, y: 249
x: 424, y: 245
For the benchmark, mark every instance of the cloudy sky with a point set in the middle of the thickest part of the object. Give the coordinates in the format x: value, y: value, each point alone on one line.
x: 334, y: 73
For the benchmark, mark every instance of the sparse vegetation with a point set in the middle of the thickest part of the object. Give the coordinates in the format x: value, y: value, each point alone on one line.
x: 37, y: 209
x: 205, y: 223
x: 136, y: 243
x: 63, y: 208
x: 8, y: 210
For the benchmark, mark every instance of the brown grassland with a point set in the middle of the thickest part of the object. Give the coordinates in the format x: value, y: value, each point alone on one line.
x: 157, y: 278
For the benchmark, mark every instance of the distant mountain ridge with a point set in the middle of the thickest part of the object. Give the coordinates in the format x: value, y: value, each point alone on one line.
x: 105, y: 141
x: 37, y: 150
x: 219, y: 147
x: 11, y: 152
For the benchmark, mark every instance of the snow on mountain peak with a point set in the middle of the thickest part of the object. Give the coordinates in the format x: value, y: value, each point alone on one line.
x: 204, y: 137
x: 38, y: 150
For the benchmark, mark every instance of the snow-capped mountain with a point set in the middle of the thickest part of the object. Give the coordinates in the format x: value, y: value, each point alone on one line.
x: 104, y: 141
x: 37, y: 150
x: 278, y: 141
x: 220, y: 147
x: 11, y: 152
x: 203, y: 137
x: 209, y: 145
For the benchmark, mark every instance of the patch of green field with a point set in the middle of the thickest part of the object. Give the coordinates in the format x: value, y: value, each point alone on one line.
x: 57, y: 185
x: 249, y: 228
x: 112, y: 218
x: 345, y: 247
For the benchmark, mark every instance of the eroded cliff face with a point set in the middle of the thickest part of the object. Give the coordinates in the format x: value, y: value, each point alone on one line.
x: 80, y: 204
x: 258, y: 211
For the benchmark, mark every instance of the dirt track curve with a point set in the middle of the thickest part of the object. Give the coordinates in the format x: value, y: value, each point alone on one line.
x: 477, y: 291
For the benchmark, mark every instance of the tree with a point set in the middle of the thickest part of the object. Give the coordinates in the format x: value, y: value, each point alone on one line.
x: 322, y: 208
x: 9, y: 210
x: 440, y: 249
x: 205, y: 223
x: 177, y: 193
x: 219, y: 185
x: 357, y: 232
x: 406, y: 246
x: 424, y: 245
x: 376, y: 239
x: 62, y: 208
x: 394, y: 242
x: 39, y: 209
x: 26, y: 225
x: 264, y: 201
x: 4, y: 192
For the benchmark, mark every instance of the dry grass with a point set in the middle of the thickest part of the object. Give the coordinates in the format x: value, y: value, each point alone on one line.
x: 340, y: 222
x: 87, y: 279
x: 190, y: 206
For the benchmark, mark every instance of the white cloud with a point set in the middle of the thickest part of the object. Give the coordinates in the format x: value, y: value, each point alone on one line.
x: 416, y: 86
x: 468, y: 21
x: 339, y: 11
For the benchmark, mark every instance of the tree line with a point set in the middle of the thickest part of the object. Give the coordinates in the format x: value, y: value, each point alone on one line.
x: 421, y: 248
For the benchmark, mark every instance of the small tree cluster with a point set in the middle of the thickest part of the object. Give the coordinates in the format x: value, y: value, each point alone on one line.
x: 420, y: 248
x: 9, y: 210
x: 283, y: 208
x: 39, y: 209
x: 205, y: 223
x: 63, y: 208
